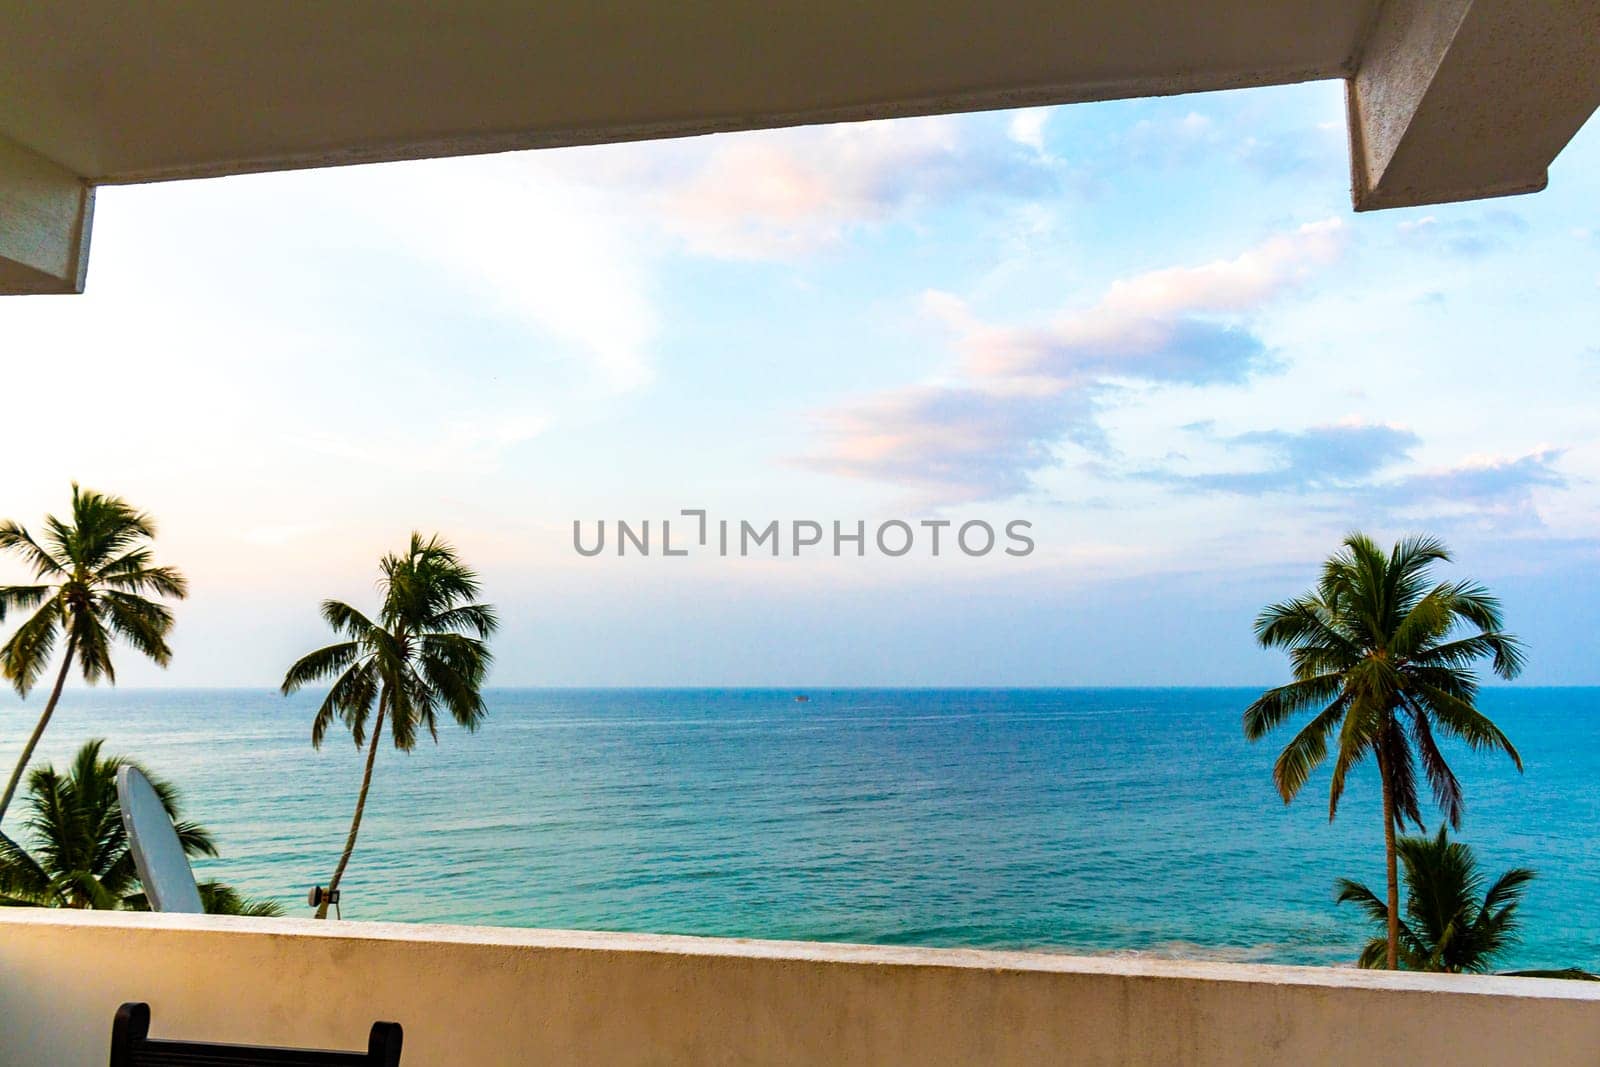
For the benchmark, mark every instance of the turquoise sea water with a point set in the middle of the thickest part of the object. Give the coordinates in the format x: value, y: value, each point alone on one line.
x: 1078, y: 820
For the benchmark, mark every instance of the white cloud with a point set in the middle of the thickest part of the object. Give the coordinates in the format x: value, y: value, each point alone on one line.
x: 1139, y: 318
x: 1409, y: 226
x: 1027, y: 127
x: 1023, y: 390
x: 760, y: 197
x: 1463, y: 234
x: 783, y: 194
x: 1171, y: 137
x: 456, y: 447
x: 273, y: 536
x: 540, y: 247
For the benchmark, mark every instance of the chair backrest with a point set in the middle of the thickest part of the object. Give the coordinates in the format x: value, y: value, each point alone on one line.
x: 131, y: 1046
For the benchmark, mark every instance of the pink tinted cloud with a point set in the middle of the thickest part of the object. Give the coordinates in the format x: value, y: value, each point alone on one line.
x: 1137, y: 322
x: 783, y: 194
x: 1025, y: 390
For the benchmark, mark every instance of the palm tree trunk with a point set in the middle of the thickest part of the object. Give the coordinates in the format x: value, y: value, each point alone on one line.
x: 38, y: 732
x: 355, y: 823
x: 1389, y: 862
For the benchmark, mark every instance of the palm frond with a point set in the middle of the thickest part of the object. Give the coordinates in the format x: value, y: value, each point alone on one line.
x: 93, y: 646
x: 315, y: 666
x: 26, y: 654
x: 148, y: 581
x: 22, y: 878
x: 1358, y: 735
x: 349, y: 700
x: 1460, y: 719
x: 17, y: 540
x: 1375, y: 953
x: 1425, y: 623
x: 1398, y: 761
x: 1303, y: 620
x: 142, y: 623
x: 21, y: 598
x: 1446, y: 786
x: 406, y: 706
x: 1308, y: 749
x: 1463, y: 652
x: 219, y: 898
x: 1473, y: 604
x: 346, y: 620
x: 1507, y: 889
x: 454, y: 668
x: 1355, y: 579
x: 195, y: 839
x: 1272, y: 708
x: 102, y: 528
x: 1353, y: 892
x: 479, y: 619
x: 1408, y: 572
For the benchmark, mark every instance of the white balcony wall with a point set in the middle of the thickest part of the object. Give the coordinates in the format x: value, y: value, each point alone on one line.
x: 482, y: 996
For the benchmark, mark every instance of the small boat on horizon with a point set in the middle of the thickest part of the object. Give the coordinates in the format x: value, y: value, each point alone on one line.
x: 801, y: 698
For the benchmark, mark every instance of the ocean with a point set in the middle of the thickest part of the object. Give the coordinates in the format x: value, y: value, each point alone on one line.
x: 1073, y: 820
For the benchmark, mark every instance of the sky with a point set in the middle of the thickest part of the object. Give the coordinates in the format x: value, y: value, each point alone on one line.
x: 1153, y: 330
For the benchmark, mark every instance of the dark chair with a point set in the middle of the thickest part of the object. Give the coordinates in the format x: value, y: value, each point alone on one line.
x: 131, y: 1046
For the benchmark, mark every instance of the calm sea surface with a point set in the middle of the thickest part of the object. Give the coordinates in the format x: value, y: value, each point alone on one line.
x: 1088, y: 820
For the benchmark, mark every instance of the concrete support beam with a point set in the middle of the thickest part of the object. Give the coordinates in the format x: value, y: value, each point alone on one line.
x: 1465, y: 99
x: 45, y: 215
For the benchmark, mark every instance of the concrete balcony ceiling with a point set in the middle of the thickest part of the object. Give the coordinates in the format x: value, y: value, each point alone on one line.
x: 1449, y: 99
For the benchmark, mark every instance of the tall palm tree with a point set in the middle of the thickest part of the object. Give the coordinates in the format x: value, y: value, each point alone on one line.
x: 1385, y: 660
x: 80, y: 856
x: 1452, y: 923
x: 94, y: 577
x: 425, y: 652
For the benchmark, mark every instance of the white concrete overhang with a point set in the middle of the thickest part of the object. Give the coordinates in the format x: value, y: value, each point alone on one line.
x: 1449, y: 99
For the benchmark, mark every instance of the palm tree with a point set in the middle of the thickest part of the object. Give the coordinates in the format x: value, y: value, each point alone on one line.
x: 1384, y: 659
x: 94, y: 575
x: 425, y: 651
x: 1452, y: 923
x: 80, y: 856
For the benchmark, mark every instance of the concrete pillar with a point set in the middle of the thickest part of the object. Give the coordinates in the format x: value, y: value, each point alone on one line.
x: 45, y: 216
x: 1462, y: 99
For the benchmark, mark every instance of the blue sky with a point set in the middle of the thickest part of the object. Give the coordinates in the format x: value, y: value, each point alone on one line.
x: 1154, y: 329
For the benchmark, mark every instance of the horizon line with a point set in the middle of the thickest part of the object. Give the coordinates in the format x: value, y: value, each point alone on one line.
x: 575, y: 687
